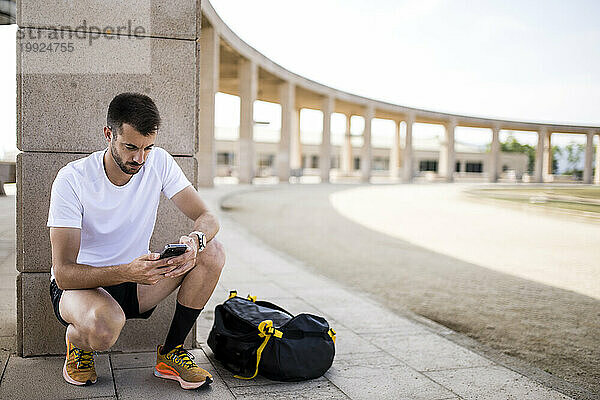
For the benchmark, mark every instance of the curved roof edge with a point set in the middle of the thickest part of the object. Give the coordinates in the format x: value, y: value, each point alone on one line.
x: 419, y: 115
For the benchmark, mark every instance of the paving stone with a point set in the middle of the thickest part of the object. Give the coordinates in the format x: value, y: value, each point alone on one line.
x: 4, y: 356
x: 8, y: 297
x: 428, y: 352
x: 365, y: 318
x: 314, y: 389
x: 140, y: 383
x: 348, y: 342
x: 8, y: 319
x: 148, y: 359
x: 493, y: 382
x: 379, y: 375
x: 262, y: 290
x: 41, y: 378
x: 8, y: 280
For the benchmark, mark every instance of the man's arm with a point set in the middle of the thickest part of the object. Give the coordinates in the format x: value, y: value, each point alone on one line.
x: 189, y: 202
x: 70, y: 275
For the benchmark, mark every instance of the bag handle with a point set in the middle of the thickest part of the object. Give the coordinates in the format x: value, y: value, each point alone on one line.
x: 266, y: 330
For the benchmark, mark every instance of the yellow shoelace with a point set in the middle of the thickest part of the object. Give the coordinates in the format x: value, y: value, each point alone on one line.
x: 182, y: 357
x: 83, y: 359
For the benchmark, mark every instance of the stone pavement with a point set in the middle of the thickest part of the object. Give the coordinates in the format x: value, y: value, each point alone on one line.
x: 378, y: 353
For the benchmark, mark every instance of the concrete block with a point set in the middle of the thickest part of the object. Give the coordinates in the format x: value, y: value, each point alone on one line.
x: 37, y: 172
x: 178, y: 19
x: 492, y: 383
x: 379, y: 375
x: 63, y: 97
x: 41, y: 378
x: 428, y: 352
x: 142, y: 384
x: 42, y: 334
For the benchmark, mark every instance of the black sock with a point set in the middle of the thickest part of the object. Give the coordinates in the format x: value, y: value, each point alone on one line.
x: 182, y: 324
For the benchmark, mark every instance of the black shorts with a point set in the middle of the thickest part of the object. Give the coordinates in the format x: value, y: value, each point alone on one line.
x: 125, y: 294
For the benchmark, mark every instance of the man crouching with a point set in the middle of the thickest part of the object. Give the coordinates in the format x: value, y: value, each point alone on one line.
x: 102, y: 214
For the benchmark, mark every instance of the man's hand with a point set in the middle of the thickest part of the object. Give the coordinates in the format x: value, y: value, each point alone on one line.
x: 185, y: 262
x: 147, y: 269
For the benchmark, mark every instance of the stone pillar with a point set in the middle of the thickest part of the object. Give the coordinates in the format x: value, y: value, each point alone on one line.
x: 539, y: 156
x: 325, y: 153
x: 365, y: 154
x: 287, y: 95
x: 395, y: 152
x: 166, y: 62
x: 494, y: 155
x: 346, y: 159
x: 547, y: 158
x: 589, y: 155
x: 407, y: 168
x: 248, y: 91
x: 446, y: 161
x: 296, y: 144
x: 597, y: 163
x: 209, y: 85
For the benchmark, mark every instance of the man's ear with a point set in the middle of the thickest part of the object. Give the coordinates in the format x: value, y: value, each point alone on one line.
x: 108, y: 134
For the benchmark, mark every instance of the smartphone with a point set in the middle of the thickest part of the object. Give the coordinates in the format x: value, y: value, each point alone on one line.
x: 172, y: 250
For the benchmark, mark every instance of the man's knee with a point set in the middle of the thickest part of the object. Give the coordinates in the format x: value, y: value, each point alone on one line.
x: 104, y: 327
x: 212, y: 257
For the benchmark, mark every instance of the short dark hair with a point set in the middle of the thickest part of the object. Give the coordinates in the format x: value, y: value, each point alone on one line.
x: 135, y: 109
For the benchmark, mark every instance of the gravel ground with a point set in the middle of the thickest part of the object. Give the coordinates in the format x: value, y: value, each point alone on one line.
x: 548, y: 316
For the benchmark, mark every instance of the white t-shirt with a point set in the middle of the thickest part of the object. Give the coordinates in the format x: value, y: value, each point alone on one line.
x: 116, y: 222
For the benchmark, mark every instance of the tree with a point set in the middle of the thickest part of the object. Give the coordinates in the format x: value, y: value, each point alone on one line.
x: 556, y: 153
x: 575, y: 153
x: 512, y: 145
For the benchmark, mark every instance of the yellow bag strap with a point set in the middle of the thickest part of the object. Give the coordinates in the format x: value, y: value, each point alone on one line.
x: 252, y: 298
x: 266, y: 330
x: 331, y: 333
x: 232, y: 294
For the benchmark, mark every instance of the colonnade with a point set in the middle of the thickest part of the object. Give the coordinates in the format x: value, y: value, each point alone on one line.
x: 254, y: 77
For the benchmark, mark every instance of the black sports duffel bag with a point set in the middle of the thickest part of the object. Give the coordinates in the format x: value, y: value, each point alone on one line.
x: 257, y: 337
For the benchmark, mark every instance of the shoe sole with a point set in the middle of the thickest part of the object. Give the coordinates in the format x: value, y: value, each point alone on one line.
x: 71, y: 380
x: 184, y: 384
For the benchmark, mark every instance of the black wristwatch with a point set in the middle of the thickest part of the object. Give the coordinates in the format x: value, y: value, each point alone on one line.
x: 201, y: 240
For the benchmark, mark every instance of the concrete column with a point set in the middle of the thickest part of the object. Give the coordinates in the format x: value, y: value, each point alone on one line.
x: 446, y: 161
x: 547, y: 158
x: 346, y: 159
x: 287, y: 94
x: 494, y: 155
x: 539, y: 156
x: 365, y: 154
x: 395, y: 153
x: 296, y: 144
x: 407, y: 168
x: 589, y: 155
x: 325, y: 153
x: 248, y: 74
x: 209, y: 85
x: 597, y: 164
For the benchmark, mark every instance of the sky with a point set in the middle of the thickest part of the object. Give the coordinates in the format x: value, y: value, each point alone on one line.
x: 520, y: 60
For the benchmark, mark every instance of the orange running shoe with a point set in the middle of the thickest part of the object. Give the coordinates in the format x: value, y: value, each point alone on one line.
x: 79, y: 366
x: 179, y: 366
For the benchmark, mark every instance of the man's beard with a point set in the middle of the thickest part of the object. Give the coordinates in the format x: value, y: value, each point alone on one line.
x: 130, y: 170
